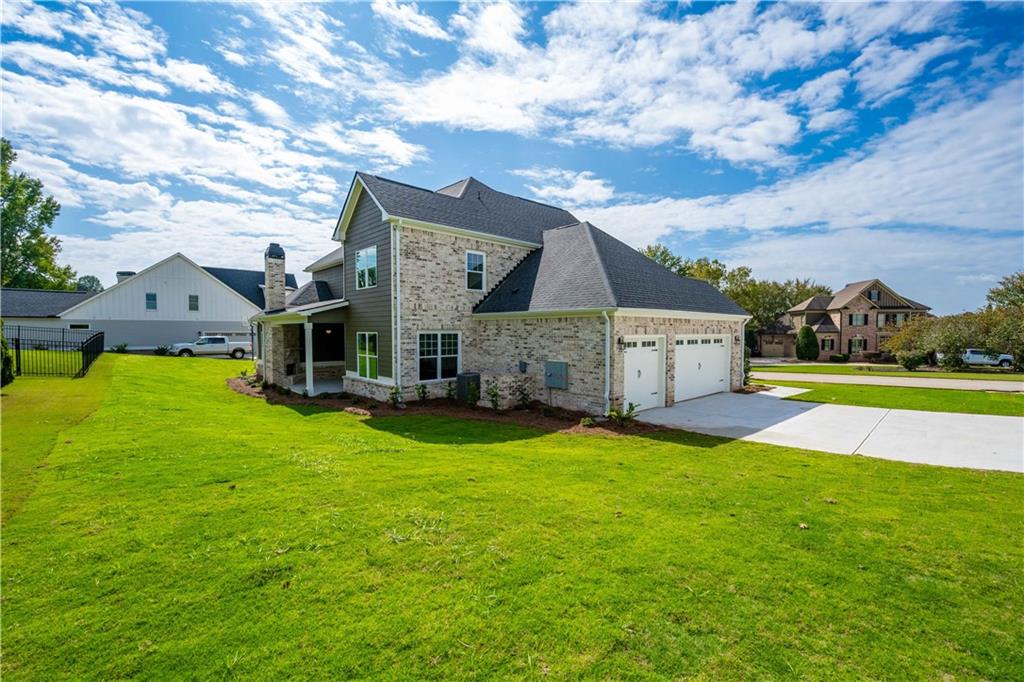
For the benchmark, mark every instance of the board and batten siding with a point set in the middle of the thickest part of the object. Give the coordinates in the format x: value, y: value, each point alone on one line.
x: 172, y: 282
x: 369, y: 310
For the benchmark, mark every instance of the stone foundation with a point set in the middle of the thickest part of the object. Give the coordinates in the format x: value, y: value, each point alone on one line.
x: 367, y: 389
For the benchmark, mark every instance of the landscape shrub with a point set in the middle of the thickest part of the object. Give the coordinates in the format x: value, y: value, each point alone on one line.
x: 40, y: 346
x: 395, y: 397
x: 587, y: 422
x: 164, y: 350
x: 449, y: 391
x: 472, y: 394
x: 493, y: 394
x: 119, y: 348
x: 871, y: 355
x: 421, y: 392
x: 910, y: 359
x: 523, y: 389
x: 622, y: 417
x: 838, y: 357
x: 6, y: 362
x: 806, y: 344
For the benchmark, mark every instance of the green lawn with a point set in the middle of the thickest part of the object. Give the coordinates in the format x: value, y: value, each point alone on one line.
x: 892, y: 371
x: 35, y: 410
x: 182, y: 530
x: 898, y: 397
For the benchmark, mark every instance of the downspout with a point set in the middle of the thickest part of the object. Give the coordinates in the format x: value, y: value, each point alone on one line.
x: 607, y: 361
x: 398, y: 302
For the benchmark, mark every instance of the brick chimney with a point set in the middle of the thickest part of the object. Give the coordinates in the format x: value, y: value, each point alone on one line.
x: 273, y: 277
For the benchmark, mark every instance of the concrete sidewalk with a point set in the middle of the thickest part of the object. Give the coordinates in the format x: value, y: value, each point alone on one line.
x: 974, y: 441
x: 908, y: 382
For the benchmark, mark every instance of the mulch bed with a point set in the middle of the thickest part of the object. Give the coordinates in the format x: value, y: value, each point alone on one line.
x: 753, y: 388
x: 541, y: 417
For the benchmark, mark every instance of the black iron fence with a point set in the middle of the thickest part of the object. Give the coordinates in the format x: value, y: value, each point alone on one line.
x: 52, y: 351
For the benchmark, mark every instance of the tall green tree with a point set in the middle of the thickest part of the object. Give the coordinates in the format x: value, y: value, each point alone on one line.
x: 29, y: 254
x: 806, y: 344
x: 89, y: 283
x: 659, y: 253
x: 1009, y: 291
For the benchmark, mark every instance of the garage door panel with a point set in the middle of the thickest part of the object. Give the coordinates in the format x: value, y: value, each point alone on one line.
x: 701, y: 365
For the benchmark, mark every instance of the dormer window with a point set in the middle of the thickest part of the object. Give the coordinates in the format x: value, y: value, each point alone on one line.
x: 475, y: 270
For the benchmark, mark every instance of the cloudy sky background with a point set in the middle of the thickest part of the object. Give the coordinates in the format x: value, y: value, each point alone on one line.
x: 833, y: 141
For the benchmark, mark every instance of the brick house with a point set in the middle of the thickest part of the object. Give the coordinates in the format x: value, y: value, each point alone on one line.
x: 428, y: 284
x: 856, y: 320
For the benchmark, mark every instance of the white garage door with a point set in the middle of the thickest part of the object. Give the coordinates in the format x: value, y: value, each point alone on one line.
x: 644, y: 375
x: 702, y: 366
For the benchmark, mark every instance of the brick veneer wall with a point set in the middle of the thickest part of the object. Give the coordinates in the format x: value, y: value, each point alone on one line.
x: 669, y: 328
x: 869, y: 331
x: 434, y: 295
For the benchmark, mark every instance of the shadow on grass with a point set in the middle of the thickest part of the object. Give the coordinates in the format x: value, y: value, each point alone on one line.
x: 442, y: 430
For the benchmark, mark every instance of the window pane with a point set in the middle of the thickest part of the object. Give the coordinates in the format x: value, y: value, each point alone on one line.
x: 362, y: 365
x: 371, y: 257
x: 371, y: 344
x: 475, y: 281
x: 360, y: 279
x: 371, y: 276
x: 360, y: 343
x: 449, y: 367
x: 193, y: 302
x: 372, y: 362
x: 475, y: 262
x: 428, y: 369
x: 449, y: 344
x: 428, y: 345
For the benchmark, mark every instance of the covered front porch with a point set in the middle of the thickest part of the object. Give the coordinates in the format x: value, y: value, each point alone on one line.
x: 303, y: 349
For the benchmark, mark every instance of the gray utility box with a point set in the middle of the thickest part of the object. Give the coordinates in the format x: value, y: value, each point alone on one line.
x: 556, y: 375
x: 463, y: 382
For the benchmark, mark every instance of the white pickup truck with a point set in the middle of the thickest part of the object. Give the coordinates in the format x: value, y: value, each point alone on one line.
x: 212, y: 345
x: 976, y: 356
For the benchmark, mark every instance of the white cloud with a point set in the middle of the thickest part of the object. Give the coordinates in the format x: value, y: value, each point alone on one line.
x: 883, y: 71
x: 53, y: 64
x: 407, y: 16
x: 493, y: 28
x: 566, y: 187
x: 269, y: 109
x: 959, y: 166
x: 381, y: 145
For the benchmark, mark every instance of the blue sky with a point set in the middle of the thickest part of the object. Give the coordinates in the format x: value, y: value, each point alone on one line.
x: 833, y: 141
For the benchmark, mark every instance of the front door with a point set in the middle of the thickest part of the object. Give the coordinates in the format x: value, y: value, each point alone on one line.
x: 643, y: 375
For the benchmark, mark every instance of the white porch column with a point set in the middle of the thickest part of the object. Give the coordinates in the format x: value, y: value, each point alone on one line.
x: 309, y: 358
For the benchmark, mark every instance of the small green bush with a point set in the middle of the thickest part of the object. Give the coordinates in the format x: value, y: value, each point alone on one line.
x: 839, y: 357
x: 622, y: 417
x: 524, y: 392
x: 421, y: 392
x: 395, y: 397
x: 493, y: 394
x: 952, y: 361
x: 164, y: 350
x: 806, y: 344
x: 449, y: 391
x: 472, y: 394
x: 6, y: 362
x: 119, y: 348
x: 910, y: 360
x: 587, y: 422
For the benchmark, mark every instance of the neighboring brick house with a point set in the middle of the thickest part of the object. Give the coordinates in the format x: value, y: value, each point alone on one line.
x: 856, y: 320
x: 428, y: 284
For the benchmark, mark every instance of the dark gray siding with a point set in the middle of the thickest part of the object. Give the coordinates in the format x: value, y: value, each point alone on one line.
x: 335, y: 278
x: 370, y: 309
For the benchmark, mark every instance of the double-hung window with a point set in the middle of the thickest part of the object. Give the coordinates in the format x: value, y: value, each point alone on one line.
x: 193, y: 302
x: 366, y: 268
x: 150, y: 301
x: 438, y: 355
x: 856, y: 345
x: 828, y: 344
x: 475, y: 270
x: 366, y: 354
x: 858, y: 319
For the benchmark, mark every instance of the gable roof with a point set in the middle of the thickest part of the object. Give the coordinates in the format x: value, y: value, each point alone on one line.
x: 39, y: 302
x: 313, y: 291
x: 248, y: 283
x: 465, y: 205
x: 847, y: 294
x: 579, y: 267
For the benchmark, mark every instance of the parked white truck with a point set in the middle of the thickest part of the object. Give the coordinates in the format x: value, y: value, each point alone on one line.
x: 212, y: 345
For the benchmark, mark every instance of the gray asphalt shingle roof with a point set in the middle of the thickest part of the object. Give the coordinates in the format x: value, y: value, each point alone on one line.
x: 470, y: 205
x: 581, y: 267
x: 39, y: 302
x: 247, y: 282
x: 314, y: 291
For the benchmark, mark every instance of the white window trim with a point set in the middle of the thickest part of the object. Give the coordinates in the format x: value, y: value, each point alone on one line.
x: 367, y: 355
x: 465, y: 267
x: 376, y: 266
x: 458, y: 364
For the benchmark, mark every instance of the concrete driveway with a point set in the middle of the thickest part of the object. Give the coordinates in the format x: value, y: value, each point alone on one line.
x: 911, y: 382
x: 974, y: 441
